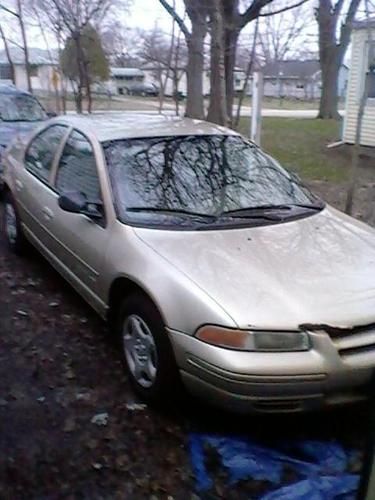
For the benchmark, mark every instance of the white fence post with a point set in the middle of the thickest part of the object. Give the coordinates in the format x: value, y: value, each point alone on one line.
x: 256, y: 107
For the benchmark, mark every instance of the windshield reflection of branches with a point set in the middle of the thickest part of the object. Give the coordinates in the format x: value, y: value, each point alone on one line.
x: 206, y: 174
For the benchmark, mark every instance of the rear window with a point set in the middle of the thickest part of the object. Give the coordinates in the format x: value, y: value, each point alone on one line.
x: 20, y: 107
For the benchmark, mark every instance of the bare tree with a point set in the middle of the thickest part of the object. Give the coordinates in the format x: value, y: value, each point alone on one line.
x: 19, y: 15
x: 24, y: 41
x: 166, y: 55
x: 234, y: 20
x: 8, y: 54
x: 72, y: 18
x: 197, y: 12
x: 120, y: 42
x: 237, y: 15
x: 333, y: 43
x: 283, y: 35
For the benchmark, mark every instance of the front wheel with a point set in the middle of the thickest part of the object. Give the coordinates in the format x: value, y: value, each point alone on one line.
x: 12, y: 225
x: 146, y: 351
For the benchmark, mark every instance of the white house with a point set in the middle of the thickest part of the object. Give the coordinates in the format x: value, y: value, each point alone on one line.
x: 123, y: 79
x: 362, y: 67
x: 151, y: 75
x: 298, y: 79
x: 42, y: 64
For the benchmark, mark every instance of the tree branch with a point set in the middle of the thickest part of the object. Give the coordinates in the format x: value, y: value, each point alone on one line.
x: 176, y: 17
x: 252, y: 12
x: 284, y: 9
x: 15, y: 14
x: 337, y: 8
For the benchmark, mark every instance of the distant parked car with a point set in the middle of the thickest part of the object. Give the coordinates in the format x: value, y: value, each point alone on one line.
x: 20, y: 112
x: 213, y: 264
x: 143, y: 89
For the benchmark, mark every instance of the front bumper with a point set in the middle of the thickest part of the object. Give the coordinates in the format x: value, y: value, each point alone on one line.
x: 248, y: 382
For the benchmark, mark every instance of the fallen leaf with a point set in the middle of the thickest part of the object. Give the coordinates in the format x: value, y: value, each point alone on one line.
x: 69, y: 425
x: 100, y: 419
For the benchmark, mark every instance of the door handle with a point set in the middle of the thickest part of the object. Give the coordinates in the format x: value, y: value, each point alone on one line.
x: 48, y: 214
x: 18, y: 185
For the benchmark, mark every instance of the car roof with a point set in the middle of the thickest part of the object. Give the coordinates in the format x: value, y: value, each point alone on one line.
x: 11, y: 89
x: 115, y: 126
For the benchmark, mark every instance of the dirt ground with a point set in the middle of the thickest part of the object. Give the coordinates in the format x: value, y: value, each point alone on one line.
x: 70, y: 426
x: 335, y: 193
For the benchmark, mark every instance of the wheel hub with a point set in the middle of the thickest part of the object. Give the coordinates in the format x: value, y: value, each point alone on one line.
x: 140, y: 350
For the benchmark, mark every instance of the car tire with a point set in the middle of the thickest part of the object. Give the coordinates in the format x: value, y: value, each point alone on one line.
x: 12, y: 225
x: 146, y: 351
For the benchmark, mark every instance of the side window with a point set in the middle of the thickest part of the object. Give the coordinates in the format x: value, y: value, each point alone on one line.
x: 77, y: 168
x: 41, y: 151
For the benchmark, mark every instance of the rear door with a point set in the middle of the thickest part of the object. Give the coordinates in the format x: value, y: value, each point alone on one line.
x: 33, y: 184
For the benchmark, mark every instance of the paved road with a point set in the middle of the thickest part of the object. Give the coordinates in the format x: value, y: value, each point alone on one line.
x: 246, y: 111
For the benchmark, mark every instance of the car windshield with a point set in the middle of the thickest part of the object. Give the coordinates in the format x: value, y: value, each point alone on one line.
x: 20, y: 107
x: 202, y: 176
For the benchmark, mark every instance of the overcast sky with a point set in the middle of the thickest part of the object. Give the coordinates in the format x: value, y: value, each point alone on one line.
x: 143, y: 14
x: 146, y: 13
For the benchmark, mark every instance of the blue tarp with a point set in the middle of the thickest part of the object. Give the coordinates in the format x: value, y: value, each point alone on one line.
x: 320, y: 467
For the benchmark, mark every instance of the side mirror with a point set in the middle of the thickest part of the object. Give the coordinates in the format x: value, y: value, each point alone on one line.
x: 51, y: 114
x: 76, y: 202
x: 72, y: 201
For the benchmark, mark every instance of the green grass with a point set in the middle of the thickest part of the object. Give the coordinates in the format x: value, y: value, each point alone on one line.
x: 275, y: 103
x: 286, y: 103
x: 301, y: 146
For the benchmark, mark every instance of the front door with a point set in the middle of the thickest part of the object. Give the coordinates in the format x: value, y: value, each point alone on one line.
x: 80, y: 242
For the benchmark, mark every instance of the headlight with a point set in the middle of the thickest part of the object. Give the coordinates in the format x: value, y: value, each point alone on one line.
x: 245, y: 340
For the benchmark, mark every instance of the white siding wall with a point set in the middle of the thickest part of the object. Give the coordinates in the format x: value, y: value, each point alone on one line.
x: 20, y: 77
x: 41, y: 82
x: 355, y: 88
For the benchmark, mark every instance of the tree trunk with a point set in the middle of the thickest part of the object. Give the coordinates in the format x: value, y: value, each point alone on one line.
x: 231, y: 39
x: 78, y: 98
x: 89, y: 95
x: 161, y: 89
x: 25, y: 47
x: 9, y: 57
x: 195, y: 68
x: 175, y: 91
x: 328, y: 52
x: 81, y: 71
x: 231, y: 34
x: 217, y: 111
x: 328, y: 107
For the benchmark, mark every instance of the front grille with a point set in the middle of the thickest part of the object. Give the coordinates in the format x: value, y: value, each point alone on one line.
x: 340, y: 333
x: 358, y: 350
x: 357, y: 340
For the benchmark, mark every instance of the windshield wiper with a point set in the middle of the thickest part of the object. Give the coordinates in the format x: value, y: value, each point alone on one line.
x: 251, y: 211
x: 170, y: 211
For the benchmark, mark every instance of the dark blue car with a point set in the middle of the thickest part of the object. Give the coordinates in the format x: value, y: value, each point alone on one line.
x: 20, y: 112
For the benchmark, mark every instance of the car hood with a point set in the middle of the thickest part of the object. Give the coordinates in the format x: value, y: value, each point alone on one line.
x: 319, y: 270
x: 11, y: 130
